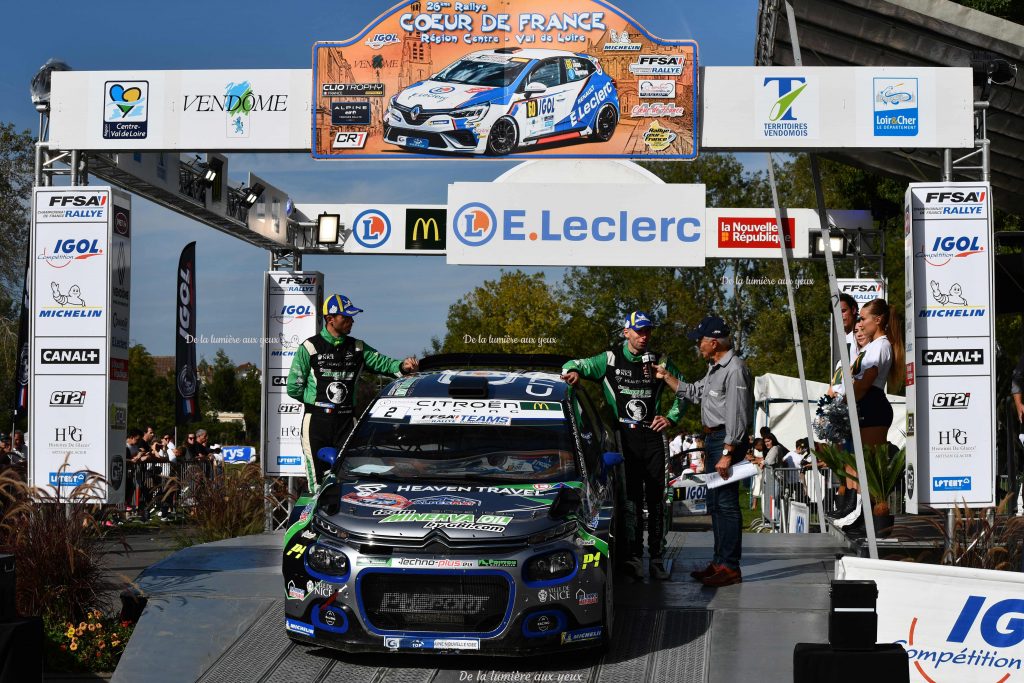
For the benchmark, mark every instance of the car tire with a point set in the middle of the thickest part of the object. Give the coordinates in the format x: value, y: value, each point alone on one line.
x: 605, y: 122
x: 503, y: 138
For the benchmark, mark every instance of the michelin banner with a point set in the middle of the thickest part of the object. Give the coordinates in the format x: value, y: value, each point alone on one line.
x: 505, y: 79
x: 958, y: 625
x: 951, y: 427
x: 292, y: 315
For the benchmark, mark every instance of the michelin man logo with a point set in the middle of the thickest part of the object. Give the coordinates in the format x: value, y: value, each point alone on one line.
x: 955, y: 296
x: 72, y: 298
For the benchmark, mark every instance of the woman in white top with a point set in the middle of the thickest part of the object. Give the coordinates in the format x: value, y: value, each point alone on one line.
x: 881, y: 361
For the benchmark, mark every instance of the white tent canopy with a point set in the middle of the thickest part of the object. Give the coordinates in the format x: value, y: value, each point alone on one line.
x: 779, y: 405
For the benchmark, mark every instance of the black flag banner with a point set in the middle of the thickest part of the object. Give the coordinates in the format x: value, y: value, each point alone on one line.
x: 21, y: 377
x: 187, y: 404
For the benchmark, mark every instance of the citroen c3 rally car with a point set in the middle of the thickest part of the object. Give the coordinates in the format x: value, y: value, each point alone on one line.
x: 496, y: 101
x: 468, y: 511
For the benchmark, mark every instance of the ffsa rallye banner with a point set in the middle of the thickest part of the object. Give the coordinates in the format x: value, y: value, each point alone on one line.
x: 468, y: 79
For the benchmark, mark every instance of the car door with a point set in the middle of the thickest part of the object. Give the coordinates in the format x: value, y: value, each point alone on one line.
x: 542, y: 112
x: 577, y: 72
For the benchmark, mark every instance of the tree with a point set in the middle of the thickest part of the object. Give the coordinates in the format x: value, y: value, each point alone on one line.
x: 250, y: 393
x: 518, y: 313
x: 17, y: 159
x: 151, y: 398
x: 223, y: 386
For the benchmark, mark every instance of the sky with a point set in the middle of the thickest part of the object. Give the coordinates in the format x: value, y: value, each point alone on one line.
x: 405, y: 298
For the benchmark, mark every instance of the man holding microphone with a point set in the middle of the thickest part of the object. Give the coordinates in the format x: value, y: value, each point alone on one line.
x: 627, y: 374
x: 726, y: 402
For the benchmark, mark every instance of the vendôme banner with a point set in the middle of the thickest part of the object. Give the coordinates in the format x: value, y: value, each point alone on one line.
x: 505, y: 79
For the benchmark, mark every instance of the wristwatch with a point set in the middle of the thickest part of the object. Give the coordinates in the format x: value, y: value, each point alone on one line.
x: 726, y: 451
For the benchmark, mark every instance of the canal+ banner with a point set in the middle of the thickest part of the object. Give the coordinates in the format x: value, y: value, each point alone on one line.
x: 513, y: 78
x: 562, y: 224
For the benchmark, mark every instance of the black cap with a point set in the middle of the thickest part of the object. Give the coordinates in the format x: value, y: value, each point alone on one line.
x: 711, y: 326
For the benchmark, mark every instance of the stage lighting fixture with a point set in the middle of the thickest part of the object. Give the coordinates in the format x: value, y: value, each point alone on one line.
x: 40, y: 87
x: 327, y: 228
x: 252, y: 194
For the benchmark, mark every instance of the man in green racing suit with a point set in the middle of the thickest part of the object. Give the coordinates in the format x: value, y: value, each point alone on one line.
x: 627, y: 374
x: 323, y: 377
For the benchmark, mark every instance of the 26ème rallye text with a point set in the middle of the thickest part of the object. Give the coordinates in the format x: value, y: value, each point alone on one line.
x: 468, y: 511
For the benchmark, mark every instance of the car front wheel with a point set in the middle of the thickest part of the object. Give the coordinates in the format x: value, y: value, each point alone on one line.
x: 604, y: 124
x: 503, y: 138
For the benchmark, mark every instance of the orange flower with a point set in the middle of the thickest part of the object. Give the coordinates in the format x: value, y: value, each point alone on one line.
x: 82, y: 625
x: 115, y: 643
x: 101, y: 645
x: 74, y: 646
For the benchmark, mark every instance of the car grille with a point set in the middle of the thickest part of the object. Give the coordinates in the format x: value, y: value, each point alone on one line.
x: 424, y: 114
x: 447, y: 603
x: 465, y: 138
x: 435, y: 543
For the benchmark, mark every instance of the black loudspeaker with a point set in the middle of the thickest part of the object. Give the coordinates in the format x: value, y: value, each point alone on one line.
x: 817, y: 663
x: 852, y: 619
x: 7, y: 575
x: 21, y: 650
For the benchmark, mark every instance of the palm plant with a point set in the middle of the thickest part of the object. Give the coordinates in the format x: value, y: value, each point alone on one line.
x: 884, y: 474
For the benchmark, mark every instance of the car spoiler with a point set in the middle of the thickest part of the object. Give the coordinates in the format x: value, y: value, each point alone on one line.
x: 493, y: 360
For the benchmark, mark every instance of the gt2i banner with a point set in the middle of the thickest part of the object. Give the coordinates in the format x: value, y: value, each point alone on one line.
x: 531, y: 224
x: 292, y: 304
x: 950, y: 376
x: 958, y: 625
x: 505, y: 79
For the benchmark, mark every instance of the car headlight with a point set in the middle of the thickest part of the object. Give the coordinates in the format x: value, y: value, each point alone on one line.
x: 551, y: 566
x: 474, y: 113
x: 327, y: 560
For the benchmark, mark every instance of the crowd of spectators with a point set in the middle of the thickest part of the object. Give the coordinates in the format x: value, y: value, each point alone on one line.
x: 155, y: 464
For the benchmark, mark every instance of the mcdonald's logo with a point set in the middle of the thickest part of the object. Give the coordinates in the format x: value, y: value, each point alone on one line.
x: 539, y: 405
x: 425, y: 229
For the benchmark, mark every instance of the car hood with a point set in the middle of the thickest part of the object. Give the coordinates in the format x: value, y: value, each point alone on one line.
x: 462, y: 511
x: 432, y: 95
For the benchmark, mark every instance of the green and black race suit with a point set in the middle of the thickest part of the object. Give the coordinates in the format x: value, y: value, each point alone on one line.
x: 325, y: 369
x: 633, y: 390
x: 629, y: 383
x: 323, y: 377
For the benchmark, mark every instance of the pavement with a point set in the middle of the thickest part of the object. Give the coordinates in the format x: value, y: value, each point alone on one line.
x: 220, y: 604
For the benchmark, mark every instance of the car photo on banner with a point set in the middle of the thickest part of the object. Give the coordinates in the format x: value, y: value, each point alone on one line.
x: 498, y: 101
x: 464, y: 80
x: 469, y: 511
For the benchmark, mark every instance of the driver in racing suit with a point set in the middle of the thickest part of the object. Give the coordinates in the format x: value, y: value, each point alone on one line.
x: 631, y: 388
x: 323, y: 377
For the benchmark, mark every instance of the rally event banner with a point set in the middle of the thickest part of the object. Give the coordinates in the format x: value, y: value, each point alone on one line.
x: 186, y: 404
x: 511, y: 78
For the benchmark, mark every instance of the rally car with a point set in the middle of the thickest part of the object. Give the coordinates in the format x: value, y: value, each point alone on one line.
x: 497, y: 101
x: 469, y: 511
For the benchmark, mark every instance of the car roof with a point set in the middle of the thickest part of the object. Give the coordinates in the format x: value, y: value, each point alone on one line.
x: 529, y: 53
x: 501, y: 384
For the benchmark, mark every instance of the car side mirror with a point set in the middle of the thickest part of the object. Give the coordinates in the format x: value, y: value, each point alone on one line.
x: 608, y: 462
x: 535, y: 88
x: 566, y: 500
x: 327, y: 454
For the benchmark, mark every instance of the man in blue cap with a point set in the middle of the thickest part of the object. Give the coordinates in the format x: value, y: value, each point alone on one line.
x: 627, y: 374
x: 323, y: 377
x: 726, y: 404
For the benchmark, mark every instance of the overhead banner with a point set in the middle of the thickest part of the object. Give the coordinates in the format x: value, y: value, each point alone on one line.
x: 951, y: 417
x: 958, y: 625
x: 416, y: 230
x: 292, y: 305
x: 210, y: 110
x: 186, y: 404
x: 510, y: 78
x: 77, y: 381
x: 836, y: 107
x: 528, y: 224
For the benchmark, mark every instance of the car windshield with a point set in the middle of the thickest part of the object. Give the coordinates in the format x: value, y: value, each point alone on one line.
x: 528, y: 451
x: 486, y: 73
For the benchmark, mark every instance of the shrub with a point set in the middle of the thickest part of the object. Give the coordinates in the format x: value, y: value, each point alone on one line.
x: 228, y: 504
x: 92, y: 644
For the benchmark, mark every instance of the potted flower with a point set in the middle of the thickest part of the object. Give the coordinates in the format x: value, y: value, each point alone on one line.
x: 884, y: 470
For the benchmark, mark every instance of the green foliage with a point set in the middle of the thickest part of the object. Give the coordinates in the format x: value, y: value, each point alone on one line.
x: 94, y: 644
x: 884, y: 473
x: 227, y: 505
x: 17, y: 159
x: 518, y: 313
x: 150, y: 397
x: 1012, y: 10
x: 223, y: 385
